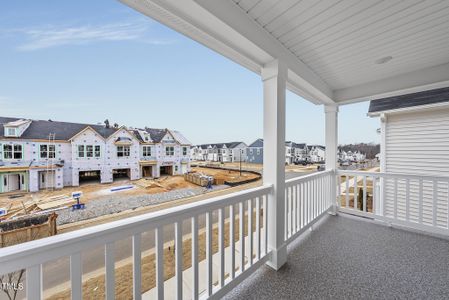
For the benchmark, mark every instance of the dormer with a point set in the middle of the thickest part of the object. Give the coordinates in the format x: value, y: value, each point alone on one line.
x: 16, y: 128
x: 146, y: 137
x: 168, y: 138
x: 123, y: 141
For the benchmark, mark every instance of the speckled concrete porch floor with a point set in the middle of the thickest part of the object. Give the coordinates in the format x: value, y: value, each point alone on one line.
x: 346, y: 258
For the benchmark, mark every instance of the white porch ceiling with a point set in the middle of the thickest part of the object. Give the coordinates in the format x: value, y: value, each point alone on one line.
x: 330, y: 46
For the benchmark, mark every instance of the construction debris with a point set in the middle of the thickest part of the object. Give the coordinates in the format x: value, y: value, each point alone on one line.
x: 22, y: 208
x: 27, y: 228
x: 198, y: 178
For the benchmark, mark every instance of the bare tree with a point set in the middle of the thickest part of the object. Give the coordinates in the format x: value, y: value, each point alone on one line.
x: 12, y: 283
x: 370, y: 149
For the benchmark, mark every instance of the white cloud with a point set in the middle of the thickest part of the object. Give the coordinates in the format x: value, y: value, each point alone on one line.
x: 53, y: 36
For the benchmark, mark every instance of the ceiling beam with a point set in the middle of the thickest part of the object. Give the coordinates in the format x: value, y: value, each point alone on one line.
x: 417, y: 81
x: 191, y: 20
x: 306, y: 80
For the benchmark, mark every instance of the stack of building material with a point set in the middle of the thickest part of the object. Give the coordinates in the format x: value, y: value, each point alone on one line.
x: 198, y: 178
x: 19, y: 208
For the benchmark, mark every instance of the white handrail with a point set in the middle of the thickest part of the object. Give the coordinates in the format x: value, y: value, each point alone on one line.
x: 28, y: 254
x: 307, y: 198
x: 392, y: 175
x: 308, y: 177
x: 415, y: 201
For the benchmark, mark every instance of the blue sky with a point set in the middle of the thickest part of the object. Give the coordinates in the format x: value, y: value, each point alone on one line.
x: 87, y: 61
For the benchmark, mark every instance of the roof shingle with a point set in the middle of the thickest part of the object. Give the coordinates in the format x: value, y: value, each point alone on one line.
x: 409, y: 100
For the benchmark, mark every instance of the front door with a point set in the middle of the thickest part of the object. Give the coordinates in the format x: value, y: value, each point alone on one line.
x: 147, y: 171
x: 12, y: 182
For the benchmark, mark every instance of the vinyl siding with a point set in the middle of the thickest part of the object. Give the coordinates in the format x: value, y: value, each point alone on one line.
x: 417, y: 143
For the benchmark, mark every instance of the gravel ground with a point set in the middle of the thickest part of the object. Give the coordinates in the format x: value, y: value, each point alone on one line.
x: 116, y: 203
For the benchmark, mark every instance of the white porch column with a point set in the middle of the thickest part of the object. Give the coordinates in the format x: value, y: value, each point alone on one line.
x: 331, y: 112
x: 274, y: 76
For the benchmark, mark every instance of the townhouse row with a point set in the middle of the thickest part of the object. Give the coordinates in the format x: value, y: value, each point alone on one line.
x: 38, y: 154
x: 294, y: 152
x: 239, y: 151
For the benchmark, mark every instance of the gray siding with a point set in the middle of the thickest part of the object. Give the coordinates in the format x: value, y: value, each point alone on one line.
x: 254, y: 155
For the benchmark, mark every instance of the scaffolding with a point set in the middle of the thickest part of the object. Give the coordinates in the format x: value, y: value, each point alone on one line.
x: 50, y: 170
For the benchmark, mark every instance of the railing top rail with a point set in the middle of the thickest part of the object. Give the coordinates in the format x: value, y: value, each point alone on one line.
x: 393, y: 175
x: 39, y: 251
x: 308, y: 177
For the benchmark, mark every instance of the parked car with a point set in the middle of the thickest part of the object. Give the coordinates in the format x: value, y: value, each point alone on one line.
x: 344, y: 163
x: 301, y: 162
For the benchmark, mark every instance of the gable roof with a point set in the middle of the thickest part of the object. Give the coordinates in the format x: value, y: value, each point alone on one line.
x: 295, y: 145
x: 229, y: 145
x: 17, y: 123
x: 180, y: 138
x: 256, y: 144
x: 232, y: 145
x: 156, y: 134
x: 259, y: 144
x: 316, y: 146
x: 409, y: 100
x: 40, y: 129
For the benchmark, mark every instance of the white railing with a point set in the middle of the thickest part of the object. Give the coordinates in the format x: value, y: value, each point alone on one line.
x: 307, y: 198
x: 240, y: 207
x: 415, y: 201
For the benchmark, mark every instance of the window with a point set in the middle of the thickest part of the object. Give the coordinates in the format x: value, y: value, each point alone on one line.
x: 184, y: 151
x: 97, y: 151
x: 123, y: 151
x: 89, y: 151
x: 258, y: 151
x: 47, y: 151
x: 81, y: 151
x: 170, y: 151
x: 146, y: 151
x: 12, y: 151
x: 11, y: 131
x: 251, y: 151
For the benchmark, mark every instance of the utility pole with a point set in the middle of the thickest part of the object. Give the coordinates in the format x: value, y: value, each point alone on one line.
x: 240, y: 159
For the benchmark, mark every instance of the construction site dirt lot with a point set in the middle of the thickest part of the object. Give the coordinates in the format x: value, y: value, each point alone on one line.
x: 100, y: 199
x: 25, y: 203
x: 226, y: 175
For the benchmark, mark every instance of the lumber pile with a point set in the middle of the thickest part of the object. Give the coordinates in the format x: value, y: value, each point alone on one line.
x: 149, y: 183
x: 20, y: 208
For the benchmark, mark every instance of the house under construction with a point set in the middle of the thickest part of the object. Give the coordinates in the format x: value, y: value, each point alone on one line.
x: 37, y: 154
